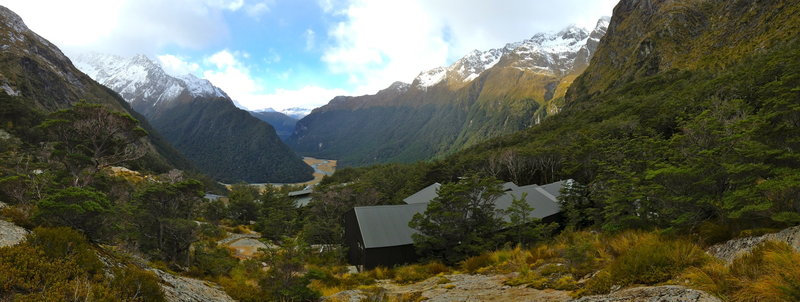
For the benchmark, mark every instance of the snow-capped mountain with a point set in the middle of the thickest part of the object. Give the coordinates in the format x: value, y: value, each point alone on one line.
x: 484, y: 94
x: 141, y: 81
x: 555, y: 53
x: 199, y: 120
x: 296, y: 112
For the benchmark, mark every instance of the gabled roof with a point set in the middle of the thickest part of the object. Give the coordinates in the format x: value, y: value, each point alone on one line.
x: 423, y: 196
x: 300, y: 193
x: 540, y: 198
x: 383, y: 226
x: 510, y: 186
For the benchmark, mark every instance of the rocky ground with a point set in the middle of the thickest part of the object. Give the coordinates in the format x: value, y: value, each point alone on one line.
x: 458, y: 287
x: 462, y: 287
x: 11, y: 234
x: 733, y: 248
x: 182, y: 289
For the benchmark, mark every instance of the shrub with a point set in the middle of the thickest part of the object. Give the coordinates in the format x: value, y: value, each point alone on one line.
x: 137, y: 284
x: 646, y: 259
x: 66, y: 243
x: 771, y: 272
x: 211, y: 260
x: 473, y: 264
x: 714, y: 278
x: 418, y: 272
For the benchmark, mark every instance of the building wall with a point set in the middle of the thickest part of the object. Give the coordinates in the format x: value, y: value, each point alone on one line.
x: 352, y: 239
x: 389, y: 256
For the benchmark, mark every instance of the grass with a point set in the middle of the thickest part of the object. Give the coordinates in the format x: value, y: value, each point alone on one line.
x: 593, y: 263
x: 770, y: 272
x: 418, y: 272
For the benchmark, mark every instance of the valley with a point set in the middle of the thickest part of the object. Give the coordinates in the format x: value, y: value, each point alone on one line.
x: 649, y: 156
x: 322, y: 168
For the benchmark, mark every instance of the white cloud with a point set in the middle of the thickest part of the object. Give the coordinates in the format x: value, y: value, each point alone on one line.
x: 384, y: 41
x: 381, y: 42
x: 128, y: 27
x: 225, y: 70
x: 176, y: 66
x: 308, y: 97
x: 259, y: 8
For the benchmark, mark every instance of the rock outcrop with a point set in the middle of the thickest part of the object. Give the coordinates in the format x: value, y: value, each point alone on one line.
x: 182, y: 289
x: 734, y: 248
x: 11, y: 234
x: 457, y: 287
x: 667, y: 293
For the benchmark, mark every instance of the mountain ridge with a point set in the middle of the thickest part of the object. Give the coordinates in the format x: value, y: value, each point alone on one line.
x: 200, y: 120
x: 481, y: 95
x: 38, y: 78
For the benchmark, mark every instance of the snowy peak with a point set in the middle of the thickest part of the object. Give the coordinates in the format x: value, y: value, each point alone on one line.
x: 296, y: 112
x: 555, y: 53
x: 140, y: 80
x: 201, y: 87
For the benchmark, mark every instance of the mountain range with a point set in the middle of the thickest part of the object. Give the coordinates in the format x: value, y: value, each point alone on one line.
x: 282, y: 122
x: 36, y: 78
x: 200, y: 120
x: 482, y: 95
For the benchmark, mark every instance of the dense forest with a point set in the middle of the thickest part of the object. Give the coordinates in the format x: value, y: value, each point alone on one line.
x: 228, y: 144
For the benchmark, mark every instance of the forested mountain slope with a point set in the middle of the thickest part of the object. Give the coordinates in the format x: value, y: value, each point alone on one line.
x: 283, y: 123
x: 482, y: 95
x: 200, y: 120
x: 37, y: 78
x: 687, y: 118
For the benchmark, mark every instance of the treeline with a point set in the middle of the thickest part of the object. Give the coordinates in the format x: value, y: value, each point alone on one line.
x: 228, y: 143
x: 710, y: 153
x: 63, y: 176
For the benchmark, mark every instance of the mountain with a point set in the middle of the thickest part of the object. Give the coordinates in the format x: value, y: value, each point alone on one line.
x: 37, y: 78
x: 686, y: 120
x: 283, y: 124
x: 200, y: 120
x: 482, y: 95
x: 296, y: 112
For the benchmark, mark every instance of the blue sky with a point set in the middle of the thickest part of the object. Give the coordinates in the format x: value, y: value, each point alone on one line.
x: 299, y: 53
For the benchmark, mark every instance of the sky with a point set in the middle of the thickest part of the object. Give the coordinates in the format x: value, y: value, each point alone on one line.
x: 299, y: 53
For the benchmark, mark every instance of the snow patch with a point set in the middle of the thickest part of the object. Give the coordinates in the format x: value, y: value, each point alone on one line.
x: 431, y: 77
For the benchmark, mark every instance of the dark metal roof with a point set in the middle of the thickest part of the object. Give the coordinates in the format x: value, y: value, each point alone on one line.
x: 302, y: 201
x: 510, y: 186
x: 301, y: 192
x: 383, y: 226
x: 540, y: 198
x: 425, y: 195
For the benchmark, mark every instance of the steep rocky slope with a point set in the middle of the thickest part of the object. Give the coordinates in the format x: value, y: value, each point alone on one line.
x: 200, y: 120
x: 36, y: 77
x: 482, y: 95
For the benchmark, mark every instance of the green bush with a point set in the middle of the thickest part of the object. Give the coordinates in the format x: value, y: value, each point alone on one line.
x: 211, y: 260
x: 136, y: 284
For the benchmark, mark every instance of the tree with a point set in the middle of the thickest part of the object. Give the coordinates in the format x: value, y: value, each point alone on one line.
x: 81, y: 208
x: 165, y: 217
x: 283, y: 278
x: 324, y: 222
x: 520, y: 219
x: 243, y: 206
x: 578, y: 208
x: 89, y: 137
x: 461, y: 221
